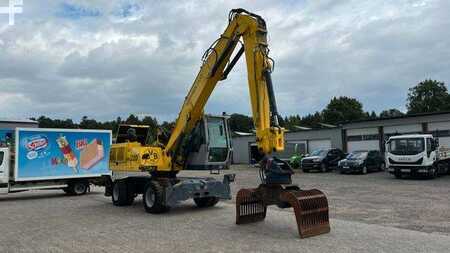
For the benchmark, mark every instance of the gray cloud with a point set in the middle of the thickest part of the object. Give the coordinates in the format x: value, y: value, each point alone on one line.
x: 142, y: 56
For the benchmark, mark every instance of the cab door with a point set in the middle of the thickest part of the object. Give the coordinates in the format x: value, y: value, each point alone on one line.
x: 218, y: 140
x: 4, y: 170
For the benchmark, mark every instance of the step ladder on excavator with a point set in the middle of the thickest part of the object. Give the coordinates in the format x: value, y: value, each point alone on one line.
x: 276, y: 188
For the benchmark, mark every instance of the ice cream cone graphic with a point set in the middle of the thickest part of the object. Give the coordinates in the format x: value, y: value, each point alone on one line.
x: 67, y: 151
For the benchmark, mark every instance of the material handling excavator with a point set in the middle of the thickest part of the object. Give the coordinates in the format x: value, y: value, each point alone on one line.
x: 202, y: 142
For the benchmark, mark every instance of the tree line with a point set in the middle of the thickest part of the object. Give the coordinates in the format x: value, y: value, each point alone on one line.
x: 426, y: 96
x: 88, y: 123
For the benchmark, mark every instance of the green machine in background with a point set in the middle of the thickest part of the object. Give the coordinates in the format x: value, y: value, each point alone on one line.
x: 296, y: 159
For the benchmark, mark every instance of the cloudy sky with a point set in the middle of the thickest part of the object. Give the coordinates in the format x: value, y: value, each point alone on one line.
x: 108, y: 58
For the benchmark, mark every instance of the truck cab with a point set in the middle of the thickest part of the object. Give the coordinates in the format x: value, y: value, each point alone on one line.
x: 414, y: 154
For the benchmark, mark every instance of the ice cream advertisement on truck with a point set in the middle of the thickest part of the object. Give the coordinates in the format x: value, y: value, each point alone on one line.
x: 61, y: 153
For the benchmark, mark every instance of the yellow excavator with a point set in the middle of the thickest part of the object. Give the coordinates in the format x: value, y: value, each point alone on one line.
x: 202, y: 142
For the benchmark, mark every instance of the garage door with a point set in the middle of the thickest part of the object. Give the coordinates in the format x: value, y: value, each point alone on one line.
x: 362, y: 139
x: 402, y: 129
x: 363, y: 145
x: 433, y: 126
x: 318, y: 144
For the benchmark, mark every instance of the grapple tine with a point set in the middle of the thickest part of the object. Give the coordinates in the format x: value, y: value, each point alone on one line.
x: 249, y: 208
x: 311, y: 211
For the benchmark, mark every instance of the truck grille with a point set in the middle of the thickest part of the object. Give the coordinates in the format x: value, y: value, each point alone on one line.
x: 418, y: 162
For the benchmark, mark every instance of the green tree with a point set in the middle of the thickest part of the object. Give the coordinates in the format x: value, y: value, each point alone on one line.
x: 343, y: 109
x: 132, y: 120
x: 391, y: 113
x: 240, y: 123
x: 373, y: 115
x: 153, y: 124
x: 428, y: 96
x: 87, y: 123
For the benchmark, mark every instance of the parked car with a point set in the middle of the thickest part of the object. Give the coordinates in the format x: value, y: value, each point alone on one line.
x: 362, y: 161
x: 322, y: 160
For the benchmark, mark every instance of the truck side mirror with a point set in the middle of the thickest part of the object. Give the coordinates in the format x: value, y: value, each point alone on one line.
x: 436, y: 142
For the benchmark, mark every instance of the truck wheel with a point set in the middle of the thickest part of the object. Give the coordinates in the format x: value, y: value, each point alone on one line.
x: 121, y: 194
x: 77, y: 188
x: 154, y: 198
x: 80, y: 188
x: 433, y: 173
x: 441, y: 168
x: 206, y: 202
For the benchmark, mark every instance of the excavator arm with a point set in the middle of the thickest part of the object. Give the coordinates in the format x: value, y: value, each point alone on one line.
x: 251, y: 30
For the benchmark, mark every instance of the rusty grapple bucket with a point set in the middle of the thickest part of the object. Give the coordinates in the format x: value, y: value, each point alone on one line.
x: 311, y: 211
x: 310, y: 207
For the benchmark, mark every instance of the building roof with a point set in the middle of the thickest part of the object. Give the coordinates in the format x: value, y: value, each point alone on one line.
x: 410, y: 136
x: 25, y: 121
x: 397, y: 117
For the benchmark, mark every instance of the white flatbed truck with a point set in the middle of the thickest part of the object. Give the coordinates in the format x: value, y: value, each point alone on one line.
x: 417, y: 155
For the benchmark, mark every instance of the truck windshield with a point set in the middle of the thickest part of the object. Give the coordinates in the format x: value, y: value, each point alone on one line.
x: 408, y: 146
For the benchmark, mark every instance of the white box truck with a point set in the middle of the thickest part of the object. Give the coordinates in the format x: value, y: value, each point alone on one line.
x: 417, y: 154
x: 67, y: 159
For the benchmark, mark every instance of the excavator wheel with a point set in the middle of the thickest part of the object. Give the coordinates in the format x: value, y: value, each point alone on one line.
x: 249, y: 208
x: 122, y: 194
x: 311, y: 211
x: 153, y: 198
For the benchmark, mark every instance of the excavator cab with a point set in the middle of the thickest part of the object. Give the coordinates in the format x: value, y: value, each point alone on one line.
x: 131, y: 133
x: 209, y: 145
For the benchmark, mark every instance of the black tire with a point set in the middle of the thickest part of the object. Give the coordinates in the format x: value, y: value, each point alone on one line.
x: 153, y: 198
x: 77, y: 188
x: 323, y: 167
x: 433, y: 174
x: 122, y: 195
x: 206, y: 201
x: 442, y: 168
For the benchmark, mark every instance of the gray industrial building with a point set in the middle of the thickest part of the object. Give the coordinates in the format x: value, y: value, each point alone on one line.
x: 350, y: 136
x: 7, y: 128
x: 11, y: 124
x: 244, y: 147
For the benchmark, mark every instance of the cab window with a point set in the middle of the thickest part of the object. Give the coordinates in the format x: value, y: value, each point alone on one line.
x: 429, y: 145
